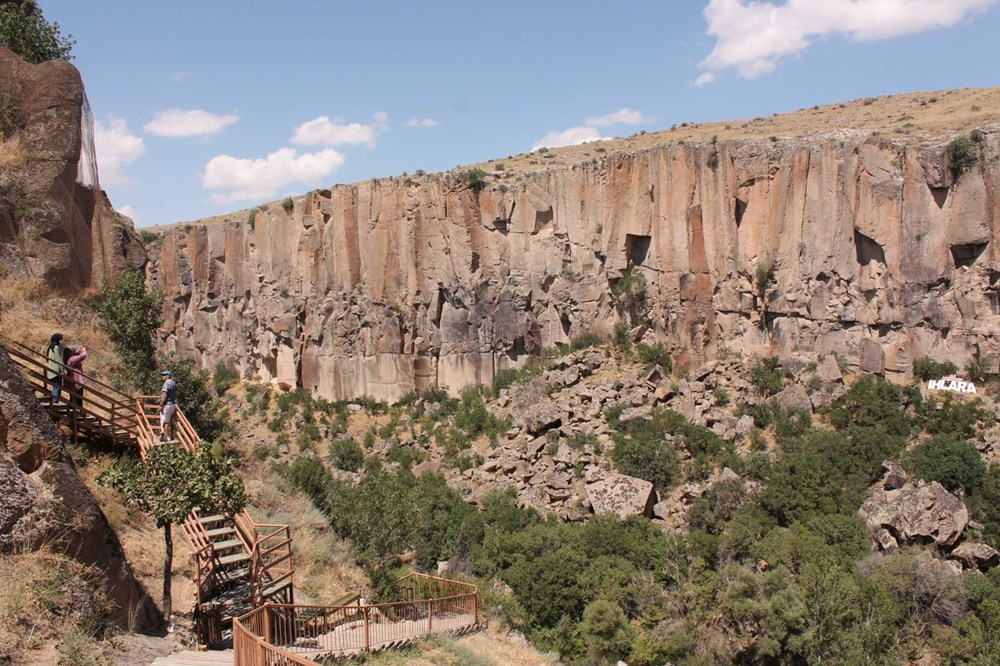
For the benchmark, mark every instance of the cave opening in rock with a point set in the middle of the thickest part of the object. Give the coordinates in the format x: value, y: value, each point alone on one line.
x: 966, y: 254
x: 867, y: 249
x: 741, y: 210
x: 636, y: 248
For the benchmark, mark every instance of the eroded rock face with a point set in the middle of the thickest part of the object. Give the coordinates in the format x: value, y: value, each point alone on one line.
x: 387, y: 286
x: 45, y: 503
x: 926, y: 512
x: 54, y: 228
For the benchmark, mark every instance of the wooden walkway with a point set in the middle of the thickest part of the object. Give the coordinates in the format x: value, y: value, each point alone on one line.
x: 350, y: 638
x: 191, y: 658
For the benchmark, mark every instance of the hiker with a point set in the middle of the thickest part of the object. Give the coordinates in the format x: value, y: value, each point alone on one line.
x: 168, y: 405
x: 75, y: 379
x: 54, y: 366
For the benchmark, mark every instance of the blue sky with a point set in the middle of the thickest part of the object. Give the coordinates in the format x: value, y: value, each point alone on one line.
x: 209, y: 106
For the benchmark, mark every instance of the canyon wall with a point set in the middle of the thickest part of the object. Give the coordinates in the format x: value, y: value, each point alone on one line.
x: 870, y: 249
x: 52, y: 227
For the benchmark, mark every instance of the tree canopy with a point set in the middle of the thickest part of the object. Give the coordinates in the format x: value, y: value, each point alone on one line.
x: 24, y: 30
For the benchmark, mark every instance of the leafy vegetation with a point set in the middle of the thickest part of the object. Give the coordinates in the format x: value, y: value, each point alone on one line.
x: 24, y: 30
x: 925, y: 368
x: 476, y: 179
x: 287, y: 205
x: 963, y: 154
x: 170, y: 483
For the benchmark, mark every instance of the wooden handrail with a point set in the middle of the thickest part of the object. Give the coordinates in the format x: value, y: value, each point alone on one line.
x: 274, y: 633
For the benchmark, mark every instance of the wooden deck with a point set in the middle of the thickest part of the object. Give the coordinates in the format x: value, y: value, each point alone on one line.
x: 192, y: 658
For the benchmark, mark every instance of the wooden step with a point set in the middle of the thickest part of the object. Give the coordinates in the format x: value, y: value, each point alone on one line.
x: 226, y: 545
x: 268, y: 592
x: 220, y: 531
x: 211, y: 519
x: 234, y: 559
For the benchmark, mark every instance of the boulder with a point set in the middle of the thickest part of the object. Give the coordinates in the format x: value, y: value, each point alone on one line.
x: 976, y: 555
x: 926, y: 512
x: 622, y: 495
x: 795, y: 396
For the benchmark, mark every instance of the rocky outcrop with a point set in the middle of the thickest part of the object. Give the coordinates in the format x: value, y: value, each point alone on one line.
x: 622, y: 496
x: 45, y: 503
x: 924, y: 513
x: 868, y: 249
x: 53, y: 227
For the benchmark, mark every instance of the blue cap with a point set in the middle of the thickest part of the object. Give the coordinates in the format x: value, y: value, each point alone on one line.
x: 167, y: 373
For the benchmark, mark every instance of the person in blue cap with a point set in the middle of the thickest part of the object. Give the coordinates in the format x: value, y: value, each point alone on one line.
x: 168, y: 405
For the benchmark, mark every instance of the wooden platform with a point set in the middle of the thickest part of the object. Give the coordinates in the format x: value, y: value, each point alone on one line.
x: 192, y: 658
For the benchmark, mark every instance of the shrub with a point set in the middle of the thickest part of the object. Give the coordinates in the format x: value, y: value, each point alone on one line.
x: 345, y: 454
x: 957, y: 418
x: 962, y: 156
x: 224, y: 377
x: 131, y: 316
x: 585, y: 340
x: 252, y: 219
x: 288, y: 205
x: 476, y: 179
x: 629, y: 291
x: 655, y: 355
x: 510, y: 376
x: 606, y: 632
x: 764, y: 275
x: 25, y: 31
x: 925, y: 368
x: 766, y: 377
x: 621, y: 336
x: 954, y: 464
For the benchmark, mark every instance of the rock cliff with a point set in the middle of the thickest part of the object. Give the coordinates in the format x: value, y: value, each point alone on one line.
x: 52, y: 227
x: 868, y: 248
x: 45, y: 504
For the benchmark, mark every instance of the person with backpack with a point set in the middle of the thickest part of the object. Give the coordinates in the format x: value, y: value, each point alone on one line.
x: 54, y: 366
x: 75, y: 380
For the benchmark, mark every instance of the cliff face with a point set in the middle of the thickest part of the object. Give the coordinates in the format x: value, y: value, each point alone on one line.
x: 52, y: 227
x: 391, y: 285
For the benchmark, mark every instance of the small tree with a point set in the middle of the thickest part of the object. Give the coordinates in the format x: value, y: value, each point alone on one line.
x: 169, y: 484
x: 25, y: 31
x: 130, y: 316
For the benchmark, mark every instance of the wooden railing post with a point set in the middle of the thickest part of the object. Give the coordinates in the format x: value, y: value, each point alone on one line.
x: 368, y: 644
x: 268, y: 629
x: 430, y: 616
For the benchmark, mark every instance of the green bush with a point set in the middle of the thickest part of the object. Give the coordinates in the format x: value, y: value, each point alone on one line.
x: 621, y: 337
x: 957, y: 418
x: 345, y: 454
x: 131, y: 317
x: 766, y: 376
x: 585, y: 340
x: 606, y: 632
x: 510, y: 376
x: 224, y: 377
x: 925, y: 368
x: 962, y: 156
x: 655, y: 355
x: 288, y: 205
x: 25, y: 31
x: 476, y: 179
x: 954, y: 464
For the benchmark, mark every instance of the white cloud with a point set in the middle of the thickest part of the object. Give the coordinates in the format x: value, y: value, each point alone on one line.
x: 179, y: 77
x: 421, y: 122
x: 624, y: 116
x: 264, y: 177
x: 568, y: 137
x: 116, y: 148
x: 705, y: 79
x: 192, y: 122
x: 322, y: 131
x: 129, y: 212
x: 753, y: 36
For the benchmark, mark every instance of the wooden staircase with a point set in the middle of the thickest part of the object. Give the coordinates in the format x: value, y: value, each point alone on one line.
x: 239, y: 564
